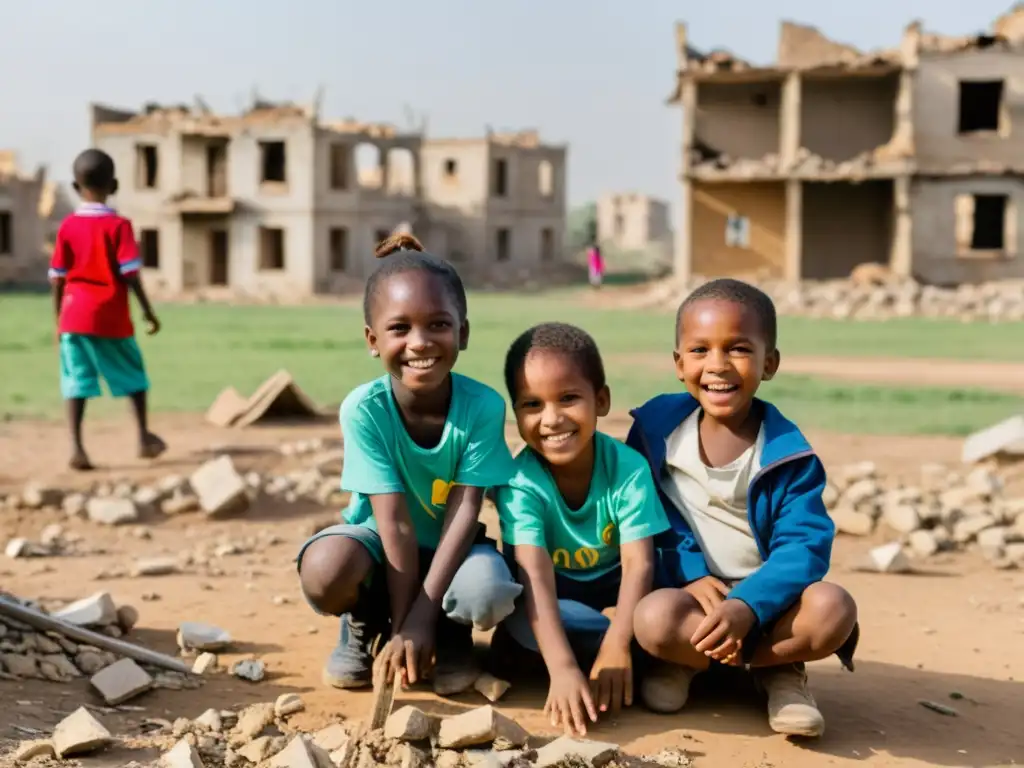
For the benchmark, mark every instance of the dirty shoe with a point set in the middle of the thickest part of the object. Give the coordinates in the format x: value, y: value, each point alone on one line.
x: 350, y: 664
x: 666, y: 688
x: 791, y: 708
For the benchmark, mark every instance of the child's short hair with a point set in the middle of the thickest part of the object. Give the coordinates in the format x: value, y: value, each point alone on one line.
x: 727, y: 289
x: 407, y: 255
x: 562, y: 338
x: 94, y: 170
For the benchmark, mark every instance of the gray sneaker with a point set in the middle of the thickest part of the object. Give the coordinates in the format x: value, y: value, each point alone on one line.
x: 791, y: 708
x: 350, y: 664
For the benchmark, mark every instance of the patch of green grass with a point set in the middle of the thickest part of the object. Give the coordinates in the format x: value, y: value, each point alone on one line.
x: 205, y: 347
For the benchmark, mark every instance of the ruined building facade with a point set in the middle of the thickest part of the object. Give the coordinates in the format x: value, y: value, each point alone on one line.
x: 277, y: 202
x: 633, y: 222
x: 830, y: 158
x: 23, y: 258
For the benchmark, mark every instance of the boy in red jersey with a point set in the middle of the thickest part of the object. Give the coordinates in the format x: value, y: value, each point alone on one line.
x: 95, y: 262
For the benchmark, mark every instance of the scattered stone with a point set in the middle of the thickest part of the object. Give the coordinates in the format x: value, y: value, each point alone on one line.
x: 74, y: 505
x: 30, y: 750
x: 480, y: 726
x: 183, y: 755
x: 37, y: 496
x: 888, y: 558
x: 251, y: 722
x: 301, y: 753
x: 205, y: 662
x: 252, y: 670
x: 942, y: 709
x: 221, y: 490
x: 210, y: 720
x: 288, y: 704
x: 19, y: 547
x: 259, y: 749
x: 91, y: 661
x: 155, y: 566
x: 562, y: 750
x: 121, y: 681
x: 180, y: 503
x: 409, y: 724
x: 57, y: 668
x: 79, y: 733
x: 332, y: 738
x: 923, y: 543
x: 20, y: 665
x: 97, y: 610
x: 851, y: 522
x: 491, y: 687
x: 902, y: 518
x: 111, y: 511
x: 193, y: 635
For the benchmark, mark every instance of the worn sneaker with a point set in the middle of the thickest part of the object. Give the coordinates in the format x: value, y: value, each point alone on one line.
x: 791, y: 708
x: 456, y: 669
x: 350, y: 664
x: 666, y: 687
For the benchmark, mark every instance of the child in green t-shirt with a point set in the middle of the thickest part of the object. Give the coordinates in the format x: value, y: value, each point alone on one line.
x: 579, y: 516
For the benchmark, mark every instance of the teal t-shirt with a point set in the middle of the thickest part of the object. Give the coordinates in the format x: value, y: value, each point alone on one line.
x: 380, y: 457
x: 622, y: 506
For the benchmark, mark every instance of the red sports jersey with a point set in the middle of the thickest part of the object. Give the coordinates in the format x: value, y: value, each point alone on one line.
x: 95, y: 248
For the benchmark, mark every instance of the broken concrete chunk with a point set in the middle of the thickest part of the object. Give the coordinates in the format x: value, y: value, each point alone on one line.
x: 36, y: 496
x: 408, y: 724
x: 590, y: 753
x: 221, y: 490
x: 19, y: 547
x: 193, y: 635
x: 111, y: 511
x: 288, y: 704
x: 155, y: 566
x: 210, y: 720
x: 121, y: 681
x: 301, y: 753
x: 259, y: 749
x: 252, y: 720
x: 252, y: 670
x: 97, y: 610
x: 183, y: 755
x: 205, y: 662
x: 480, y: 726
x: 851, y: 522
x: 1006, y: 437
x: 888, y: 558
x: 332, y: 738
x: 30, y: 750
x: 491, y: 687
x: 923, y: 543
x: 902, y: 518
x: 79, y: 733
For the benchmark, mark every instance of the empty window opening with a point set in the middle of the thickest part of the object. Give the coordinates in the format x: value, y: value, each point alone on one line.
x: 146, y: 166
x: 737, y: 231
x: 759, y: 99
x: 503, y: 244
x: 338, y: 246
x: 451, y: 168
x: 274, y: 162
x: 500, y: 181
x: 369, y: 165
x: 272, y: 254
x: 149, y: 245
x: 981, y: 222
x: 981, y: 106
x: 6, y: 234
x: 401, y: 174
x: 219, y: 271
x: 546, y: 178
x: 217, y: 170
x: 339, y: 166
x: 547, y: 244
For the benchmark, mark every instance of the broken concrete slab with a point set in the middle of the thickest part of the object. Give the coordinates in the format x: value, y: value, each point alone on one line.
x: 79, y: 733
x: 888, y: 558
x: 182, y: 755
x: 205, y: 662
x: 1005, y: 438
x: 211, y: 720
x: 480, y: 726
x: 301, y: 753
x: 331, y: 738
x: 194, y: 635
x: 111, y: 511
x: 31, y: 750
x: 226, y: 408
x: 288, y: 704
x: 155, y: 566
x: 251, y: 721
x: 220, y: 488
x: 97, y: 610
x: 563, y: 749
x: 409, y: 724
x: 490, y: 687
x: 121, y: 681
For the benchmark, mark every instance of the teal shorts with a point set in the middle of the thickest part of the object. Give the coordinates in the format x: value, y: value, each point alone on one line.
x: 84, y: 360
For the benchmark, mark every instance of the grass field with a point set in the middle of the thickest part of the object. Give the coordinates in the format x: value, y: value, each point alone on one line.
x: 205, y: 347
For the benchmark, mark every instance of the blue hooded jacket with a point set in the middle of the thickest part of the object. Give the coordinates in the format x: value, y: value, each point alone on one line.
x: 792, y: 528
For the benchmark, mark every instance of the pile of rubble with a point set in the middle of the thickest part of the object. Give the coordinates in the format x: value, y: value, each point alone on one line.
x: 941, y: 511
x: 872, y: 300
x: 261, y: 735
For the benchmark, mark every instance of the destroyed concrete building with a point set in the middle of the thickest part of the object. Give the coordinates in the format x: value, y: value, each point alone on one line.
x: 22, y: 229
x: 633, y: 222
x: 276, y: 201
x: 831, y: 157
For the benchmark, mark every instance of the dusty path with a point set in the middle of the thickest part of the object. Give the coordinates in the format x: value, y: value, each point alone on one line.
x: 925, y: 637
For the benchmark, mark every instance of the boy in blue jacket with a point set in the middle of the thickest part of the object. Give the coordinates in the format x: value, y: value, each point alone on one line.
x: 751, y: 539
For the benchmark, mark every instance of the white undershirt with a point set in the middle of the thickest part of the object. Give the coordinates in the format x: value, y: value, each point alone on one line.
x: 713, y: 500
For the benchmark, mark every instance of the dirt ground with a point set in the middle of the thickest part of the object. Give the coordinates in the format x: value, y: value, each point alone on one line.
x: 951, y: 635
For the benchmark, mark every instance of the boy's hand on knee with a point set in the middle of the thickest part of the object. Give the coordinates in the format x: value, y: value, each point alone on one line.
x: 720, y: 635
x: 570, y: 701
x: 709, y: 592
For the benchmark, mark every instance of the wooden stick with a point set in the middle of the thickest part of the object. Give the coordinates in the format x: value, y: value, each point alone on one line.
x: 50, y: 624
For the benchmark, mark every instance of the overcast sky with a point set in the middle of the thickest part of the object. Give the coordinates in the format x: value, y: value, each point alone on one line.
x: 591, y: 73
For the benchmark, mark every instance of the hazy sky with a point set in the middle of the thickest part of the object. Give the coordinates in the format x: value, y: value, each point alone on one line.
x: 591, y: 73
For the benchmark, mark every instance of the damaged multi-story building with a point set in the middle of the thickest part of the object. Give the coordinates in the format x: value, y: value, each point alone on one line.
x: 277, y: 201
x: 830, y: 158
x: 631, y: 221
x: 22, y: 223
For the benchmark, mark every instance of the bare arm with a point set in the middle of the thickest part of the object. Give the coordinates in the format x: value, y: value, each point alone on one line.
x: 134, y: 283
x: 401, y: 552
x: 57, y: 291
x: 538, y: 575
x: 637, y: 559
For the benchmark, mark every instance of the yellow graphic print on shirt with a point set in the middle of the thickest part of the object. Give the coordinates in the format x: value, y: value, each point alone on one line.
x: 582, y: 559
x: 608, y: 534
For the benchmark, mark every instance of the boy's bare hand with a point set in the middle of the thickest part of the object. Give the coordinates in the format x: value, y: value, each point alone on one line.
x: 408, y: 656
x: 152, y: 325
x: 709, y: 592
x: 611, y: 677
x: 569, y: 701
x: 721, y: 634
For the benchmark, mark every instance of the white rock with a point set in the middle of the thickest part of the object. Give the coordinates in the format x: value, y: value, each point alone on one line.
x: 249, y: 669
x: 888, y: 558
x: 193, y: 635
x: 851, y: 522
x: 182, y: 755
x: 902, y: 518
x: 79, y: 733
x: 112, y: 511
x: 97, y: 610
x: 923, y: 543
x: 221, y: 490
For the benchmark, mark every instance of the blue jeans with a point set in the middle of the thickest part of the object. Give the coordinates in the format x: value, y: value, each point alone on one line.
x: 481, y: 594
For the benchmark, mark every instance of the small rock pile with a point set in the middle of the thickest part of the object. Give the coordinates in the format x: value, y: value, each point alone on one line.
x: 846, y: 299
x: 260, y: 735
x: 942, y: 510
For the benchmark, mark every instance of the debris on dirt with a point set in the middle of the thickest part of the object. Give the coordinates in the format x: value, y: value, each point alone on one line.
x: 409, y: 724
x: 195, y: 636
x: 288, y: 704
x: 205, y: 662
x: 1004, y: 440
x: 79, y: 733
x: 565, y: 750
x: 942, y: 709
x: 121, y: 681
x: 490, y: 687
x: 221, y: 490
x: 183, y: 755
x: 279, y: 397
x: 252, y: 670
x: 31, y: 750
x: 480, y: 726
x: 888, y: 558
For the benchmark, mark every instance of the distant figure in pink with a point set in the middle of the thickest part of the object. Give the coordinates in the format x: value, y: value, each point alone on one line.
x: 595, y: 265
